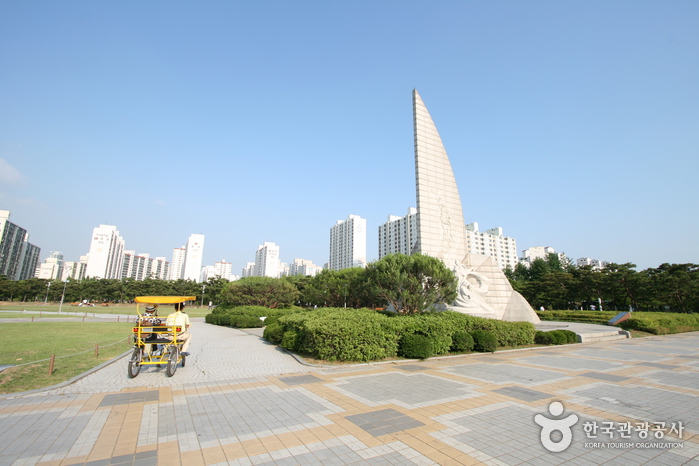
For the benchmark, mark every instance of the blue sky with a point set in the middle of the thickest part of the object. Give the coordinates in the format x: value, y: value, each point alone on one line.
x: 569, y: 124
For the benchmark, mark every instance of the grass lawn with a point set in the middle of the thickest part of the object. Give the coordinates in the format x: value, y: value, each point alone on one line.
x: 123, y: 309
x: 73, y: 343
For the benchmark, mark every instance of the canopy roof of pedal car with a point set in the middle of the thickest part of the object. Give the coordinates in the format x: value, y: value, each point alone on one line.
x: 163, y: 299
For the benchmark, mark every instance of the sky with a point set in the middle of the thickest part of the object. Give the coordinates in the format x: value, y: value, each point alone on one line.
x: 573, y: 124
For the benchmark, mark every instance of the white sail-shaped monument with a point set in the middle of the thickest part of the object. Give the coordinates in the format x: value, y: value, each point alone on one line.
x: 484, y: 290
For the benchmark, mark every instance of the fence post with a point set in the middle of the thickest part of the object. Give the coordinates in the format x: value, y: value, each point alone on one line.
x: 97, y: 349
x: 53, y: 360
x: 32, y: 318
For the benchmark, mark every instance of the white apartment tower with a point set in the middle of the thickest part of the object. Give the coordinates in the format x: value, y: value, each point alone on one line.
x: 348, y: 243
x: 267, y: 262
x: 193, y: 257
x: 304, y: 267
x: 106, y: 256
x: 492, y: 243
x: 177, y: 263
x: 52, y: 268
x: 399, y: 234
x: 539, y: 252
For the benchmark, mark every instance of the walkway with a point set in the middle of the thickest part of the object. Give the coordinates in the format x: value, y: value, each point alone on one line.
x: 241, y: 401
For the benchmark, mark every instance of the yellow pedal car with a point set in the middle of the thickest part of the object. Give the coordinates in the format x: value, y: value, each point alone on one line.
x: 156, y: 343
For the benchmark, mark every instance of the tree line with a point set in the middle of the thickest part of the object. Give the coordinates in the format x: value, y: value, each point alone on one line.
x: 409, y: 283
x: 558, y: 284
x: 103, y: 290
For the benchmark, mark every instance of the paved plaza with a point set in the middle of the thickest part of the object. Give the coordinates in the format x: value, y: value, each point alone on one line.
x: 242, y: 401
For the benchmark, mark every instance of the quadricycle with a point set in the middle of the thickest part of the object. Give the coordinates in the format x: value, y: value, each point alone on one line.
x: 155, y: 342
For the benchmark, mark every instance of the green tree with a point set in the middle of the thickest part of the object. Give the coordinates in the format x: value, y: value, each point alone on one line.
x: 412, y: 284
x: 260, y: 291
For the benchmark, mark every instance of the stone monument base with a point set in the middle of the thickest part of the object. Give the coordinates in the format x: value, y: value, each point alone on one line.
x: 485, y: 291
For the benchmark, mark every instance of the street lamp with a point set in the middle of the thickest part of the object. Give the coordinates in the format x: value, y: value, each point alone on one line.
x: 203, y: 287
x: 48, y: 285
x: 63, y: 295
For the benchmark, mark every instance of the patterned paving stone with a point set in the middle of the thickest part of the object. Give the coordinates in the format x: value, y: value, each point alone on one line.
x: 411, y: 367
x: 639, y: 402
x: 129, y: 397
x: 619, y: 355
x: 572, y: 363
x: 524, y: 394
x: 385, y: 421
x: 300, y: 379
x: 676, y: 379
x: 339, y: 451
x: 506, y: 374
x: 425, y: 389
x: 603, y: 376
x: 237, y: 415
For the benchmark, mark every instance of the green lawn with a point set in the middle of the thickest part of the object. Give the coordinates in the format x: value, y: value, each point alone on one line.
x: 73, y: 344
x: 68, y: 308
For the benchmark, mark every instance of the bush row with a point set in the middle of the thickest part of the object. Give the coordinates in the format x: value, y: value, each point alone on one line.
x: 366, y: 335
x: 247, y: 316
x: 661, y: 323
x: 555, y: 337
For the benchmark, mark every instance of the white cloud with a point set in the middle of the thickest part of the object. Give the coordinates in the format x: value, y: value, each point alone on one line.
x: 10, y: 175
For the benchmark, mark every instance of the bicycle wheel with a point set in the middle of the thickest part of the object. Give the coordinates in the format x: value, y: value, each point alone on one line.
x: 135, y: 363
x: 172, y: 361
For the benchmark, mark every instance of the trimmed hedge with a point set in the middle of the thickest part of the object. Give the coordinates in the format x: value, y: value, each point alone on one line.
x: 247, y: 316
x: 484, y: 341
x: 555, y: 337
x: 415, y: 346
x: 461, y: 342
x: 661, y: 323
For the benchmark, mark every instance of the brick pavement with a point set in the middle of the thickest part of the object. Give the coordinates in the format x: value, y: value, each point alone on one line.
x: 241, y: 401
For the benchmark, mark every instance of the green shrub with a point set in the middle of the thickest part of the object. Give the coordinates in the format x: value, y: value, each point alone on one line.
x: 558, y: 337
x: 461, y: 342
x: 484, y: 341
x: 434, y: 326
x: 415, y: 346
x: 661, y: 323
x: 344, y: 335
x: 290, y: 340
x: 244, y: 321
x: 544, y: 338
x: 273, y: 333
x: 571, y: 337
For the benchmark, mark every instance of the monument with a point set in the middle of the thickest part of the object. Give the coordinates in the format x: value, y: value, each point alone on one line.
x: 484, y: 290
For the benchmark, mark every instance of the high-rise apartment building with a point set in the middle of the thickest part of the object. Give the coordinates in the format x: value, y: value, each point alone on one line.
x: 106, y: 256
x: 194, y: 253
x: 267, y: 263
x: 177, y: 263
x: 540, y: 252
x: 221, y: 269
x: 398, y: 234
x: 142, y: 266
x: 492, y: 243
x: 18, y: 257
x: 187, y: 260
x: 52, y: 267
x: 594, y: 263
x: 304, y: 267
x: 348, y: 243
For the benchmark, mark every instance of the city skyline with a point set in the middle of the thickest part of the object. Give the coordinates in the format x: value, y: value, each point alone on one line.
x: 579, y: 128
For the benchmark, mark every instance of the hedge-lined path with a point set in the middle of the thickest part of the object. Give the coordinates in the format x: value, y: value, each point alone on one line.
x: 270, y: 409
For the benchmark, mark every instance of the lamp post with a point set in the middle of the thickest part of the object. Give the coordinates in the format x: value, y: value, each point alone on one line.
x: 60, y: 307
x: 203, y: 287
x: 48, y: 285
